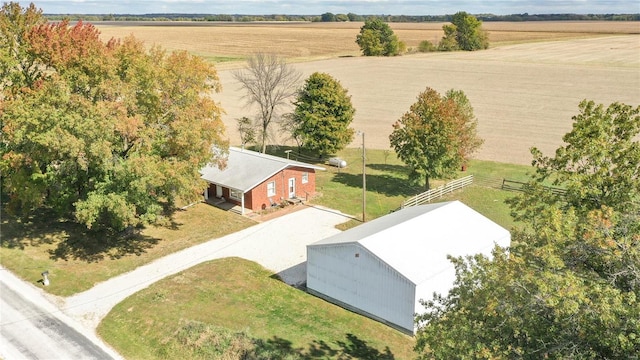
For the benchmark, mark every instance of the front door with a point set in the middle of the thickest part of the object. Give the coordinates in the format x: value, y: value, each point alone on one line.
x: 292, y: 188
x: 218, y: 191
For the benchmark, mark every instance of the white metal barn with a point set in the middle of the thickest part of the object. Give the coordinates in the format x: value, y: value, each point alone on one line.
x: 382, y: 268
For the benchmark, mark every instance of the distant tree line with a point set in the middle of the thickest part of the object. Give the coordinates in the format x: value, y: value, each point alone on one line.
x: 181, y: 17
x: 330, y: 17
x: 558, y: 17
x: 465, y: 32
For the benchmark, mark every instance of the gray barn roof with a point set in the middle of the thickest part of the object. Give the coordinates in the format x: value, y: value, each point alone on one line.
x: 246, y: 169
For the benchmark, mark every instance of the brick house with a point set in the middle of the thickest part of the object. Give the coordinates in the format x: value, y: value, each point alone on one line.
x: 258, y: 181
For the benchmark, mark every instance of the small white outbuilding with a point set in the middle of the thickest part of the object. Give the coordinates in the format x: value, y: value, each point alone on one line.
x: 383, y: 268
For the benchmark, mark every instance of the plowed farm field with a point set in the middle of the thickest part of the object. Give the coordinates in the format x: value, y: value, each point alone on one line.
x: 524, y: 89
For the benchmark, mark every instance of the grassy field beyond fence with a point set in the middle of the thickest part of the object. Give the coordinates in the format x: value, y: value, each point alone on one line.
x: 387, y: 186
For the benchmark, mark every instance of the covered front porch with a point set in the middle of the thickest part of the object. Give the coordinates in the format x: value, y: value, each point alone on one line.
x: 223, y: 204
x: 226, y: 198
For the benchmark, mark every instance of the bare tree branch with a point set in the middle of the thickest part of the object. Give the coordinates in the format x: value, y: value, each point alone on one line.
x: 269, y: 82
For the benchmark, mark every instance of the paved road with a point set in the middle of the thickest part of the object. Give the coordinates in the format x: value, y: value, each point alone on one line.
x: 31, y: 327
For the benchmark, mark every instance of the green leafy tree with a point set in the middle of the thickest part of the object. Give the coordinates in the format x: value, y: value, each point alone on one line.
x: 328, y: 17
x: 449, y: 41
x: 376, y: 38
x: 342, y: 17
x: 110, y: 135
x: 599, y: 169
x: 436, y: 136
x: 599, y: 165
x: 370, y: 43
x: 354, y: 17
x: 465, y: 33
x: 469, y: 32
x: 538, y: 300
x: 467, y: 125
x: 569, y: 285
x: 322, y: 115
x: 247, y: 130
x: 269, y: 83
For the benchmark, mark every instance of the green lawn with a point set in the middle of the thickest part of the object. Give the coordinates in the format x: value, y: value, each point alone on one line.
x: 386, y: 179
x: 77, y: 260
x: 181, y: 317
x: 387, y: 186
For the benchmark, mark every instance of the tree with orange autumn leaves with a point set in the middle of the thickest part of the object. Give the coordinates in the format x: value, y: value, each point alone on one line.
x: 108, y: 134
x: 568, y: 287
x: 437, y: 136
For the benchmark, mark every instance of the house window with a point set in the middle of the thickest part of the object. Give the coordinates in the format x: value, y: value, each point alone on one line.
x: 271, y: 189
x: 235, y: 194
x: 305, y: 177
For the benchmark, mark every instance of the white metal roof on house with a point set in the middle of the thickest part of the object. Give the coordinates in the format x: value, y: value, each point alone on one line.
x: 246, y: 169
x: 416, y: 240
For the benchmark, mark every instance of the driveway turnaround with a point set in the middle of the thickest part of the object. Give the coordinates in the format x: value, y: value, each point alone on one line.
x: 278, y: 245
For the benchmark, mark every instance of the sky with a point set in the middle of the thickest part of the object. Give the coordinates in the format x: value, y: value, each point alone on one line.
x: 317, y: 7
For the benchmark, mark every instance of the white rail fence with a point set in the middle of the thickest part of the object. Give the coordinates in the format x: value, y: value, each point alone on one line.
x: 440, y: 191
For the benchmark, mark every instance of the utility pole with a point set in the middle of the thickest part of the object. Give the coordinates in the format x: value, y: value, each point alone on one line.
x: 364, y: 182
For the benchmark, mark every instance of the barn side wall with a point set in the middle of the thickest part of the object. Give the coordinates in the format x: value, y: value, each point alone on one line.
x: 352, y: 276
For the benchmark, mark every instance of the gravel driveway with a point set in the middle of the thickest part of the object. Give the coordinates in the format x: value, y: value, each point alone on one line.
x: 278, y: 245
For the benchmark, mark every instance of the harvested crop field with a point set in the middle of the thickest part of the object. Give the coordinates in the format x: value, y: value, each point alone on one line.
x: 303, y: 41
x: 524, y: 89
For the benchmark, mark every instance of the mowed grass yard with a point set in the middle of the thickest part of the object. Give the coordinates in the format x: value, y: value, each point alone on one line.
x: 77, y: 260
x: 387, y: 186
x: 236, y: 295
